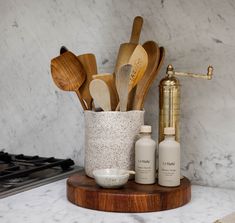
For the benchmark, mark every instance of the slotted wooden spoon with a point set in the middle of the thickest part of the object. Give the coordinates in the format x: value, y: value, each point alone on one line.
x: 68, y: 74
x: 100, y: 93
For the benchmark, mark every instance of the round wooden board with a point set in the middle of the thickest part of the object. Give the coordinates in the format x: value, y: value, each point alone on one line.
x: 84, y: 192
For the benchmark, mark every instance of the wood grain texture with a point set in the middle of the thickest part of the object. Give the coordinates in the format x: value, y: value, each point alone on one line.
x: 89, y: 64
x: 84, y: 192
x: 150, y: 74
x: 138, y: 103
x: 68, y: 73
x: 126, y: 49
x: 136, y: 29
x: 139, y: 62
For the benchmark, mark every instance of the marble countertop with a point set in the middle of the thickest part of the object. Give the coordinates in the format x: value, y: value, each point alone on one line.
x: 49, y: 204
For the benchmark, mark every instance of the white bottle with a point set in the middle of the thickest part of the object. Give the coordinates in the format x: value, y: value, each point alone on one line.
x: 169, y: 160
x: 145, y: 157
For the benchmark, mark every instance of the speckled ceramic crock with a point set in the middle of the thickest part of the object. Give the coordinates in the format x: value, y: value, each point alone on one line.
x: 110, y: 138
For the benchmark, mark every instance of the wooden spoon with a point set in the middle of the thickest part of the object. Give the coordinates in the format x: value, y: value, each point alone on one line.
x: 150, y: 74
x: 157, y: 54
x: 100, y: 93
x: 123, y: 77
x: 126, y: 49
x: 68, y: 73
x: 139, y: 61
x: 109, y: 80
x: 89, y: 64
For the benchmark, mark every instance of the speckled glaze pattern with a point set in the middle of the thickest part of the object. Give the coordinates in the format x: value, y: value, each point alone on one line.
x: 109, y: 139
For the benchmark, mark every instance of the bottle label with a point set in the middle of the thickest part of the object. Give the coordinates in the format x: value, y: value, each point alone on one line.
x: 145, y: 171
x: 168, y: 168
x: 169, y: 173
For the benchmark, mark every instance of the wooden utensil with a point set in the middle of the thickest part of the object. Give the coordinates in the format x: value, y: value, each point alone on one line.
x: 123, y: 77
x: 68, y: 73
x: 126, y: 49
x: 89, y: 64
x: 149, y: 76
x: 146, y: 89
x: 139, y: 62
x: 109, y: 80
x: 100, y: 93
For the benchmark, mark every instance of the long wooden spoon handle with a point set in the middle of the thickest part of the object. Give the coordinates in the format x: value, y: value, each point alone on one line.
x: 81, y: 100
x: 136, y: 29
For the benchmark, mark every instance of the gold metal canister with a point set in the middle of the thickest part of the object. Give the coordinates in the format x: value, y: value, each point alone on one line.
x: 169, y: 100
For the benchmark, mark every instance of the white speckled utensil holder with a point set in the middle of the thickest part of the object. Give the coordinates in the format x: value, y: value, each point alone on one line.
x: 110, y: 138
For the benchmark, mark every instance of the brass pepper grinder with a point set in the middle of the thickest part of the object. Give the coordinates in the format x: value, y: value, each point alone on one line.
x: 169, y: 100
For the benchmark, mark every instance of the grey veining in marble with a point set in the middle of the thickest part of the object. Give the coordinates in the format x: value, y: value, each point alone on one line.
x: 36, y: 117
x: 49, y: 204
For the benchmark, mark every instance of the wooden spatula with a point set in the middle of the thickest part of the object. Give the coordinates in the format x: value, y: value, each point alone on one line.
x: 68, y: 73
x: 126, y: 49
x: 100, y: 93
x: 123, y: 76
x: 109, y: 80
x: 149, y: 76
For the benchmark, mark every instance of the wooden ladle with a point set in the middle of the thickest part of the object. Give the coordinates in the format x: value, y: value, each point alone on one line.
x: 68, y: 74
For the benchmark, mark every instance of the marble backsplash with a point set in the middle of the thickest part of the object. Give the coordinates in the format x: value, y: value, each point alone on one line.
x: 37, y: 118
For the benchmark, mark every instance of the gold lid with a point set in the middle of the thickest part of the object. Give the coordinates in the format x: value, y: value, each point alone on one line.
x: 170, y: 79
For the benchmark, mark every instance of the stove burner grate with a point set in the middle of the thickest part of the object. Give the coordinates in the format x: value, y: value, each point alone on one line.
x: 20, y: 172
